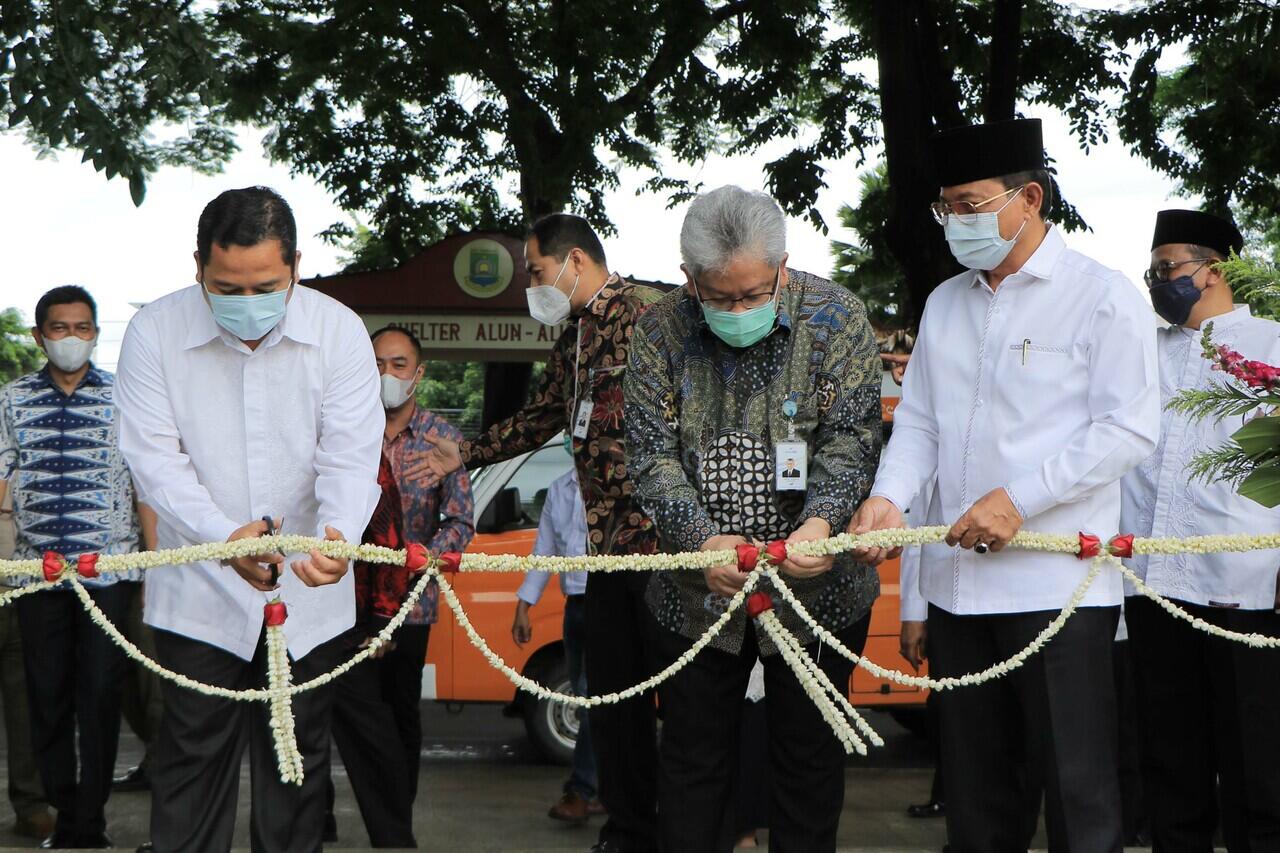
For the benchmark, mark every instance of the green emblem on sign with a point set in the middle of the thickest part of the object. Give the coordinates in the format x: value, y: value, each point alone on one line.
x: 483, y: 268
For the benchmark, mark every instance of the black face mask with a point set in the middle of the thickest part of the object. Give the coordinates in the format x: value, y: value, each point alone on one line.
x: 1174, y: 299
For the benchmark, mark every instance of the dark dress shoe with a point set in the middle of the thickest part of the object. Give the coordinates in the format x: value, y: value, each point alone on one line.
x: 59, y: 840
x: 929, y: 809
x: 146, y: 847
x: 330, y: 832
x: 133, y: 779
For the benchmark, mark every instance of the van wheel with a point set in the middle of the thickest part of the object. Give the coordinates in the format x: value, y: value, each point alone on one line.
x: 552, y: 726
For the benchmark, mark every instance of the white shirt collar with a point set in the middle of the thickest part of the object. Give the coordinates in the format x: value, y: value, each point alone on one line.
x: 1234, y: 317
x: 1041, y: 263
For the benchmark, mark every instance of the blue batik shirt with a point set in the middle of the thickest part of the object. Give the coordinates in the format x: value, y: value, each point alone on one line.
x: 60, y: 454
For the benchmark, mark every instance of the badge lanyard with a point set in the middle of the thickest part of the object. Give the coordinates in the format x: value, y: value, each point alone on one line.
x: 791, y: 457
x: 582, y: 408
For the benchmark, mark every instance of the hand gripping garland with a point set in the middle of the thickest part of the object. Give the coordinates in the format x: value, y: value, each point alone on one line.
x: 832, y: 701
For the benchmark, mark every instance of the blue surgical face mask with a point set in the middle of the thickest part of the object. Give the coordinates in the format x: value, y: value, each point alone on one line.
x: 744, y: 328
x: 249, y: 318
x: 975, y: 241
x: 1174, y: 299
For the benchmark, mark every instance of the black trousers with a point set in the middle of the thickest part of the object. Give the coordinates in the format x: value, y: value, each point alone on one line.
x: 702, y: 707
x: 74, y: 677
x: 1132, y: 809
x: 749, y: 804
x: 377, y: 725
x: 1208, y: 709
x: 618, y: 655
x: 202, y: 740
x: 1049, y: 725
x: 140, y: 701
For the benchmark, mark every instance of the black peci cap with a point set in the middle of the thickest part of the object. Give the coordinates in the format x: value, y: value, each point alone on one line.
x: 1198, y: 228
x: 982, y: 151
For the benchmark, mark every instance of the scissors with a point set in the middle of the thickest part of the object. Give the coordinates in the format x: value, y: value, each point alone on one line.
x: 272, y: 531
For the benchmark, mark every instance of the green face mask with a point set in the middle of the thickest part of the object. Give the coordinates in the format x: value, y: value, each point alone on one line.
x: 744, y: 328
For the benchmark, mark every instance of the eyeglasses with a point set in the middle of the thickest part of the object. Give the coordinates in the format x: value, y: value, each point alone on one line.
x: 751, y: 300
x: 1159, y: 274
x: 966, y: 210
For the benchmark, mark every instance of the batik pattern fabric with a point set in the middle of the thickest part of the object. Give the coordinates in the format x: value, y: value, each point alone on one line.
x: 589, y: 362
x: 703, y: 419
x: 60, y: 454
x: 381, y: 588
x: 439, y: 517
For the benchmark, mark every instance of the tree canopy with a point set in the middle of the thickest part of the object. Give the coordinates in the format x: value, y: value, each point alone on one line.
x: 426, y: 118
x: 867, y: 267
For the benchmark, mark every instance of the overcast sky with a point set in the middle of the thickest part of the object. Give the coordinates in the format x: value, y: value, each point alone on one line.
x: 64, y: 223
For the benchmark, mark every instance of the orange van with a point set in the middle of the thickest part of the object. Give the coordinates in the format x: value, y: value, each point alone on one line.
x: 508, y: 499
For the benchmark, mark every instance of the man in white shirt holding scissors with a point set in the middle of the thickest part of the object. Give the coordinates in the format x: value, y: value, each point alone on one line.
x: 242, y: 397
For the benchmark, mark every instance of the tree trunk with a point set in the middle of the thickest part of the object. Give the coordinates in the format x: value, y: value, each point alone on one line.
x: 907, y: 89
x: 506, y: 388
x: 1002, y: 68
x: 506, y: 383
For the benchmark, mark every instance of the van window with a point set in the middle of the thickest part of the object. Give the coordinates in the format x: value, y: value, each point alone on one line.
x: 535, y: 476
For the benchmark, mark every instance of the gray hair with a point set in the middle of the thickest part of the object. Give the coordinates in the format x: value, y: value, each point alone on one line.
x: 728, y: 222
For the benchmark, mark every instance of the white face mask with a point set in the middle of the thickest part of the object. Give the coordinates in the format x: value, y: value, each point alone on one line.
x: 69, y: 354
x: 396, y: 391
x: 976, y: 242
x: 547, y: 303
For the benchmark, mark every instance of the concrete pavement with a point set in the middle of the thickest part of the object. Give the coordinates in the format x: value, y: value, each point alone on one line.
x: 484, y: 789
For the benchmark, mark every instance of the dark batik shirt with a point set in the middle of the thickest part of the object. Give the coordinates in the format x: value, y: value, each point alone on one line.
x: 702, y: 422
x: 589, y: 362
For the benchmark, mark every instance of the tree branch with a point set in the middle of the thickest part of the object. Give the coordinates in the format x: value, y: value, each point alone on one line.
x: 678, y: 40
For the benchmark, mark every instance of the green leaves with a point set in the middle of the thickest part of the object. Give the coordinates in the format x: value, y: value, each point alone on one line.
x: 18, y: 352
x: 118, y: 81
x: 1254, y: 281
x: 1259, y: 437
x: 1221, y: 400
x: 1251, y: 458
x: 1263, y: 485
x: 868, y: 268
x: 1210, y: 122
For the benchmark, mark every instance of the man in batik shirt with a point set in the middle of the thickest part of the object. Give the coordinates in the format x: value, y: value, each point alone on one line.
x: 441, y: 518
x: 581, y: 393
x: 751, y: 366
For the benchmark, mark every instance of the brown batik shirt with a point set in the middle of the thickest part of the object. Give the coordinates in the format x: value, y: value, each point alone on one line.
x: 589, y: 361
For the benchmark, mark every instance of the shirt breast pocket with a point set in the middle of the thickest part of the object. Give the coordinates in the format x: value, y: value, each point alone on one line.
x: 1030, y: 368
x: 1040, y: 358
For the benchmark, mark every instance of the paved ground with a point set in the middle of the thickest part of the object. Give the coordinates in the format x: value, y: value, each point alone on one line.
x: 484, y: 789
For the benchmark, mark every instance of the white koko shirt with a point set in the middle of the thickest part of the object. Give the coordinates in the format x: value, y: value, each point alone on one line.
x: 1162, y: 499
x: 1046, y: 387
x: 218, y: 435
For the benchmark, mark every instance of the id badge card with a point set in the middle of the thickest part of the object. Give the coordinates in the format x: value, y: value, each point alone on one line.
x: 791, y: 465
x: 582, y: 420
